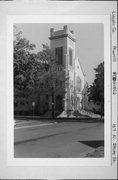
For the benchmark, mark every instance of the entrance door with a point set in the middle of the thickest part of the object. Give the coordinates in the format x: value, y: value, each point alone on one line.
x: 78, y: 103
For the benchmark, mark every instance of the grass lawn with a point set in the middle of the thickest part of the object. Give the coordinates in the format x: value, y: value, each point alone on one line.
x: 98, y: 152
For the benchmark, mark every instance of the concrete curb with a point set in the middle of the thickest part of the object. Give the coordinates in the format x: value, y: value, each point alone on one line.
x: 71, y: 119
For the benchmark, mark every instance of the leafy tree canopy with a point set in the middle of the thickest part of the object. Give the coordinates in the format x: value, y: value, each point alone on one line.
x: 26, y: 66
x: 34, y: 73
x: 96, y: 90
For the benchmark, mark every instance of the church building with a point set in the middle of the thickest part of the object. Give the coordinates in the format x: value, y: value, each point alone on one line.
x: 63, y: 43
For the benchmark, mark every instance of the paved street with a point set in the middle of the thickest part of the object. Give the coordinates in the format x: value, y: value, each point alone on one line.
x: 34, y: 139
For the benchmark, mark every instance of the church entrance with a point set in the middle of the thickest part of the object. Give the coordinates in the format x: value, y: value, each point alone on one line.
x: 59, y: 103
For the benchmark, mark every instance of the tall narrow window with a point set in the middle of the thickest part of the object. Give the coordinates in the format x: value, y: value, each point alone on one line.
x: 79, y: 84
x: 70, y: 56
x: 59, y: 55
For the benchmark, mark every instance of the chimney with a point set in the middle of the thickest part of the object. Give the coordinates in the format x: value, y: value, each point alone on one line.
x: 72, y: 31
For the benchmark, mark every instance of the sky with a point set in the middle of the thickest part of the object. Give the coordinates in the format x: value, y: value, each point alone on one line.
x: 89, y: 42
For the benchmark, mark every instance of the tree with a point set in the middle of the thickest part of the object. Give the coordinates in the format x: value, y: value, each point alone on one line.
x: 96, y: 90
x: 25, y: 68
x: 85, y: 96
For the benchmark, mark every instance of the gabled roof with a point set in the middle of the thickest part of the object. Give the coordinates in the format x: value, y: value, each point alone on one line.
x: 81, y: 67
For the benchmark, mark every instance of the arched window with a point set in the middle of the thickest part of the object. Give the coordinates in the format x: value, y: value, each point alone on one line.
x: 79, y: 84
x: 70, y: 56
x: 59, y: 55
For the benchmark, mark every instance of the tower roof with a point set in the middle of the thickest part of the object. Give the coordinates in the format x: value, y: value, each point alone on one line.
x: 65, y: 32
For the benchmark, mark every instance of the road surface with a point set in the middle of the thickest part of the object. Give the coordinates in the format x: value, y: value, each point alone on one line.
x: 36, y: 139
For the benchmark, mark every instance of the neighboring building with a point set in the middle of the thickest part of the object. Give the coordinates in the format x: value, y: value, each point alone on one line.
x: 63, y: 44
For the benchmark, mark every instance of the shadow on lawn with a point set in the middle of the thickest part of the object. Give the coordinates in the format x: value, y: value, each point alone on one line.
x: 93, y: 144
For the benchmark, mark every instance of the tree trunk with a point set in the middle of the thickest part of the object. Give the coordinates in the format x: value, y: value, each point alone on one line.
x: 101, y: 109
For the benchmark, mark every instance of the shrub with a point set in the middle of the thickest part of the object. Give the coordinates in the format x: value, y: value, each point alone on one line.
x: 76, y: 113
x: 68, y: 112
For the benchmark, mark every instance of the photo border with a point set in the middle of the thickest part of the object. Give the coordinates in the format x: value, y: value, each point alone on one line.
x: 106, y: 161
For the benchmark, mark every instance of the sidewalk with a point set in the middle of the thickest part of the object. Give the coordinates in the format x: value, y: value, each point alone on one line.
x: 22, y: 123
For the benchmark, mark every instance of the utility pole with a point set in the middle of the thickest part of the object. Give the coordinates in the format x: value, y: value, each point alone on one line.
x: 53, y: 113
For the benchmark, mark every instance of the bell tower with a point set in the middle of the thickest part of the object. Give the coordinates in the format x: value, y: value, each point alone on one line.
x: 62, y: 42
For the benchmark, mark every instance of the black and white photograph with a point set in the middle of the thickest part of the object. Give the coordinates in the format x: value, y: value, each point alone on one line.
x: 59, y: 98
x: 58, y: 90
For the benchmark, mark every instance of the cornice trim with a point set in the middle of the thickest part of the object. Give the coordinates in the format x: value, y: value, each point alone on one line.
x: 62, y: 36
